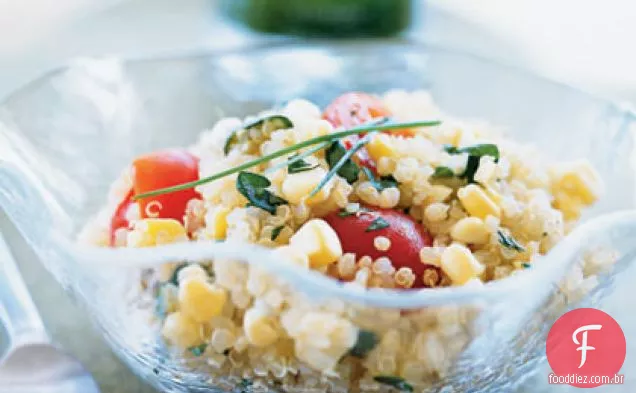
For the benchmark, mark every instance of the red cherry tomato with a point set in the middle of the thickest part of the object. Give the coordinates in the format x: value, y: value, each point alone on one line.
x: 407, y: 238
x: 164, y: 169
x: 355, y: 108
x: 119, y: 219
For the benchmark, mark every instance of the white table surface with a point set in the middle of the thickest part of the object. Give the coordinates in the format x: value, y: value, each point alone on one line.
x: 584, y: 43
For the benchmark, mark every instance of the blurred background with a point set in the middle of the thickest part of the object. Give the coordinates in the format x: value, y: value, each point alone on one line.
x: 584, y: 43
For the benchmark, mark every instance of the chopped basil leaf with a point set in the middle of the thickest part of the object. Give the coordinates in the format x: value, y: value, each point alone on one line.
x: 349, y: 171
x: 245, y: 385
x: 475, y: 153
x: 344, y: 213
x: 276, y: 231
x: 174, y: 278
x: 198, y: 350
x: 254, y: 187
x: 382, y: 183
x: 300, y: 166
x: 443, y: 172
x: 377, y: 224
x: 526, y: 265
x: 266, y: 124
x: 396, y: 382
x: 471, y: 168
x: 509, y: 242
x: 367, y: 340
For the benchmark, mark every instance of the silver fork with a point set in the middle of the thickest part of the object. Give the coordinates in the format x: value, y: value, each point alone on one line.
x: 29, y: 361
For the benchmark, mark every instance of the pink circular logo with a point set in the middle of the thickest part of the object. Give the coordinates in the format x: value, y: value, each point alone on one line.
x: 585, y: 348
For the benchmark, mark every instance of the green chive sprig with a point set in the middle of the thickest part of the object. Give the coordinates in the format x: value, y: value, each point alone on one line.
x: 288, y: 150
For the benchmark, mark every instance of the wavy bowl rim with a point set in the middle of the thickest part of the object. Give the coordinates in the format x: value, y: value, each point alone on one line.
x: 85, y: 255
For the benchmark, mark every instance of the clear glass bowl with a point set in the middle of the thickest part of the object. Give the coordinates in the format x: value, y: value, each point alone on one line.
x: 66, y: 136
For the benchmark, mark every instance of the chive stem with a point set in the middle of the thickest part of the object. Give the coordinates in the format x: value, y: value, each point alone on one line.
x: 298, y: 157
x: 359, y: 144
x: 290, y: 149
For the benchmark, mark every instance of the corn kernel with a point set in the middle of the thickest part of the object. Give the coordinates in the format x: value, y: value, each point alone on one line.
x: 298, y: 186
x: 216, y: 222
x: 477, y: 203
x: 318, y: 241
x: 459, y: 264
x: 294, y: 255
x: 181, y: 330
x: 470, y: 230
x: 155, y: 231
x: 579, y: 180
x: 193, y: 271
x: 259, y: 327
x: 201, y: 300
x: 380, y: 146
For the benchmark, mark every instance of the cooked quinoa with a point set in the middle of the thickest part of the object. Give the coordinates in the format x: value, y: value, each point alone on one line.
x: 484, y: 207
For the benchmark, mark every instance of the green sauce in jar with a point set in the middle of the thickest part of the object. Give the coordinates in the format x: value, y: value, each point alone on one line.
x: 339, y: 18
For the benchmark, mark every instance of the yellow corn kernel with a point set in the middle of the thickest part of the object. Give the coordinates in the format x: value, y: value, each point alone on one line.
x: 201, y: 300
x: 570, y: 206
x: 579, y: 180
x: 216, y: 222
x: 181, y: 330
x: 470, y: 230
x: 459, y: 264
x: 298, y: 186
x: 155, y: 231
x: 294, y: 255
x: 380, y: 146
x: 494, y: 195
x: 193, y: 271
x: 318, y: 241
x: 477, y: 203
x: 259, y: 327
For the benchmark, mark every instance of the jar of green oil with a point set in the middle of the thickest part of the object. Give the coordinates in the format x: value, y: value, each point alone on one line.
x: 339, y: 18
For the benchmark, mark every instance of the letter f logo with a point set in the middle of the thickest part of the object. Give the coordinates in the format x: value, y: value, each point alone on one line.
x: 584, y: 347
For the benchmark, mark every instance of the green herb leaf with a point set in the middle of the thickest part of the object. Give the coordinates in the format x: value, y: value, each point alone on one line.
x: 245, y: 385
x: 396, y: 382
x: 526, y: 265
x: 344, y: 213
x: 300, y: 165
x: 442, y: 172
x: 475, y: 153
x: 198, y: 350
x: 174, y: 278
x: 276, y: 231
x: 509, y: 242
x: 377, y: 224
x: 367, y: 340
x: 329, y: 138
x: 344, y: 161
x: 382, y: 183
x: 348, y: 169
x: 254, y: 187
x: 266, y: 124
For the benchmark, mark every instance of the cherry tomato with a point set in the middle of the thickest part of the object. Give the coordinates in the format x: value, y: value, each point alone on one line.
x: 164, y: 169
x: 406, y: 235
x: 354, y: 109
x: 119, y: 219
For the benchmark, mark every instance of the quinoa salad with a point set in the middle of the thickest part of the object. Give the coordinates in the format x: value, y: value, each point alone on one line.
x: 374, y: 191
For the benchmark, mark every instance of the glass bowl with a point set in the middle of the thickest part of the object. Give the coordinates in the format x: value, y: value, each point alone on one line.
x: 67, y: 135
